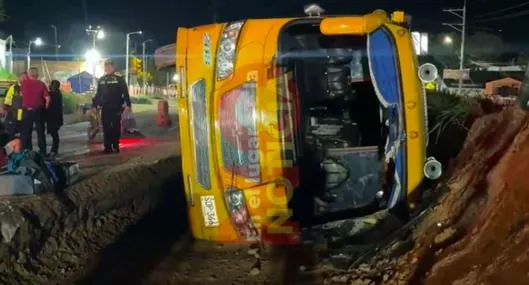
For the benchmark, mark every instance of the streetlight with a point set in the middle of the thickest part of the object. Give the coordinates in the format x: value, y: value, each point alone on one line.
x: 56, y: 42
x: 144, y: 61
x: 37, y: 42
x: 127, y: 43
x: 100, y: 35
x: 448, y: 40
x: 10, y: 39
x: 97, y: 33
x: 92, y: 56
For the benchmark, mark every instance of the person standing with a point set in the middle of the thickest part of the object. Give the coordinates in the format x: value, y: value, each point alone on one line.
x: 35, y: 100
x: 54, y: 116
x: 111, y: 95
x: 13, y: 107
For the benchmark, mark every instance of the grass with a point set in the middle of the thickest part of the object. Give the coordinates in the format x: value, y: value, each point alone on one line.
x: 141, y: 100
x: 447, y: 110
x: 448, y: 124
x: 70, y: 102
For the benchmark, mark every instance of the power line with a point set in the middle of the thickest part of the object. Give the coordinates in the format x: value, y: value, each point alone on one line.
x: 508, y: 16
x: 503, y: 10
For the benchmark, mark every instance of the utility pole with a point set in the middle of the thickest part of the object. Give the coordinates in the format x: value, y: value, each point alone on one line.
x: 460, y: 27
x: 144, y: 63
x: 36, y: 42
x: 127, y: 48
x: 56, y: 42
x: 10, y: 39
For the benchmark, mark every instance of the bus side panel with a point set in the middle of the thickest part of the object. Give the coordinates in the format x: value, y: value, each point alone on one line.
x: 413, y: 105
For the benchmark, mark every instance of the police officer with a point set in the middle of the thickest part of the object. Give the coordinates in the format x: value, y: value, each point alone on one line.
x: 111, y: 96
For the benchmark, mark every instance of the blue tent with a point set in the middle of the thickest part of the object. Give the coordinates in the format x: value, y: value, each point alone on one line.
x: 81, y: 82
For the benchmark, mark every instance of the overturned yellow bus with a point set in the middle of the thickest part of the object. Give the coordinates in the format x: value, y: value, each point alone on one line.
x: 290, y: 122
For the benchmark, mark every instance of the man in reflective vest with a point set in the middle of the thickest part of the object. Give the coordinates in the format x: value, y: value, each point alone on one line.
x: 13, y: 105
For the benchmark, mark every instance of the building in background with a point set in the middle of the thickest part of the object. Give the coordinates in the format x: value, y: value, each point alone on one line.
x: 504, y: 87
x: 59, y: 70
x: 420, y: 42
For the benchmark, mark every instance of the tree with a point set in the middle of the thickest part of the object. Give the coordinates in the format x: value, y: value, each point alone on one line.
x: 143, y: 78
x: 485, y: 46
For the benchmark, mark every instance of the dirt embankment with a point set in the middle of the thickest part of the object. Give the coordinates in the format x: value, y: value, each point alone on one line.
x: 479, y: 232
x: 48, y: 238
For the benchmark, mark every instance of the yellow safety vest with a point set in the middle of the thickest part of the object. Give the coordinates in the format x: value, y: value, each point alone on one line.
x: 8, y: 101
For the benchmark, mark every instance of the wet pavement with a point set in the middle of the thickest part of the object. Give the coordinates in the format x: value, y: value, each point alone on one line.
x: 75, y: 146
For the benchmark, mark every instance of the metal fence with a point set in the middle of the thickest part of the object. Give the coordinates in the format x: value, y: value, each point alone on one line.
x: 137, y: 90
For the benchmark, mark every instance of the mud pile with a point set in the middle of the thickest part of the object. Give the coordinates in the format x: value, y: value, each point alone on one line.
x: 48, y: 238
x: 479, y: 232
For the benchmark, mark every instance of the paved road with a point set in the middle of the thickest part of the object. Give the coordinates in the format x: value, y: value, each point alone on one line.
x: 75, y: 146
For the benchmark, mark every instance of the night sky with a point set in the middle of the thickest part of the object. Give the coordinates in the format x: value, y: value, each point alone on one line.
x: 160, y: 18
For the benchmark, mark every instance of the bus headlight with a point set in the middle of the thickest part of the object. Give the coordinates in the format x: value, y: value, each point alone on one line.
x: 227, y: 49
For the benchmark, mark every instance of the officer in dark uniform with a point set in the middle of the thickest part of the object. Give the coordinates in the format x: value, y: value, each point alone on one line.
x: 112, y: 97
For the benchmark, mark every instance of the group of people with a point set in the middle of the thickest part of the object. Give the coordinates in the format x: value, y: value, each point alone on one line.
x: 29, y: 104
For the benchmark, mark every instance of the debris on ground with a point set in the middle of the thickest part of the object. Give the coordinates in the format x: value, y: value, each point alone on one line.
x: 479, y: 231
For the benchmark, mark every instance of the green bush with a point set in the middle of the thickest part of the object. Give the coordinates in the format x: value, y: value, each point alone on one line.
x: 140, y: 100
x: 70, y: 102
x: 448, y: 117
x: 446, y: 110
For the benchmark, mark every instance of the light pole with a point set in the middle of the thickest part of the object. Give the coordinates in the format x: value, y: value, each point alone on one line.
x: 460, y: 27
x: 56, y: 42
x: 37, y: 42
x: 10, y: 39
x: 127, y: 43
x: 97, y: 33
x: 144, y: 61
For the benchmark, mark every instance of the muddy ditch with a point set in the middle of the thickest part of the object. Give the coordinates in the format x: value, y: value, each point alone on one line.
x: 50, y: 239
